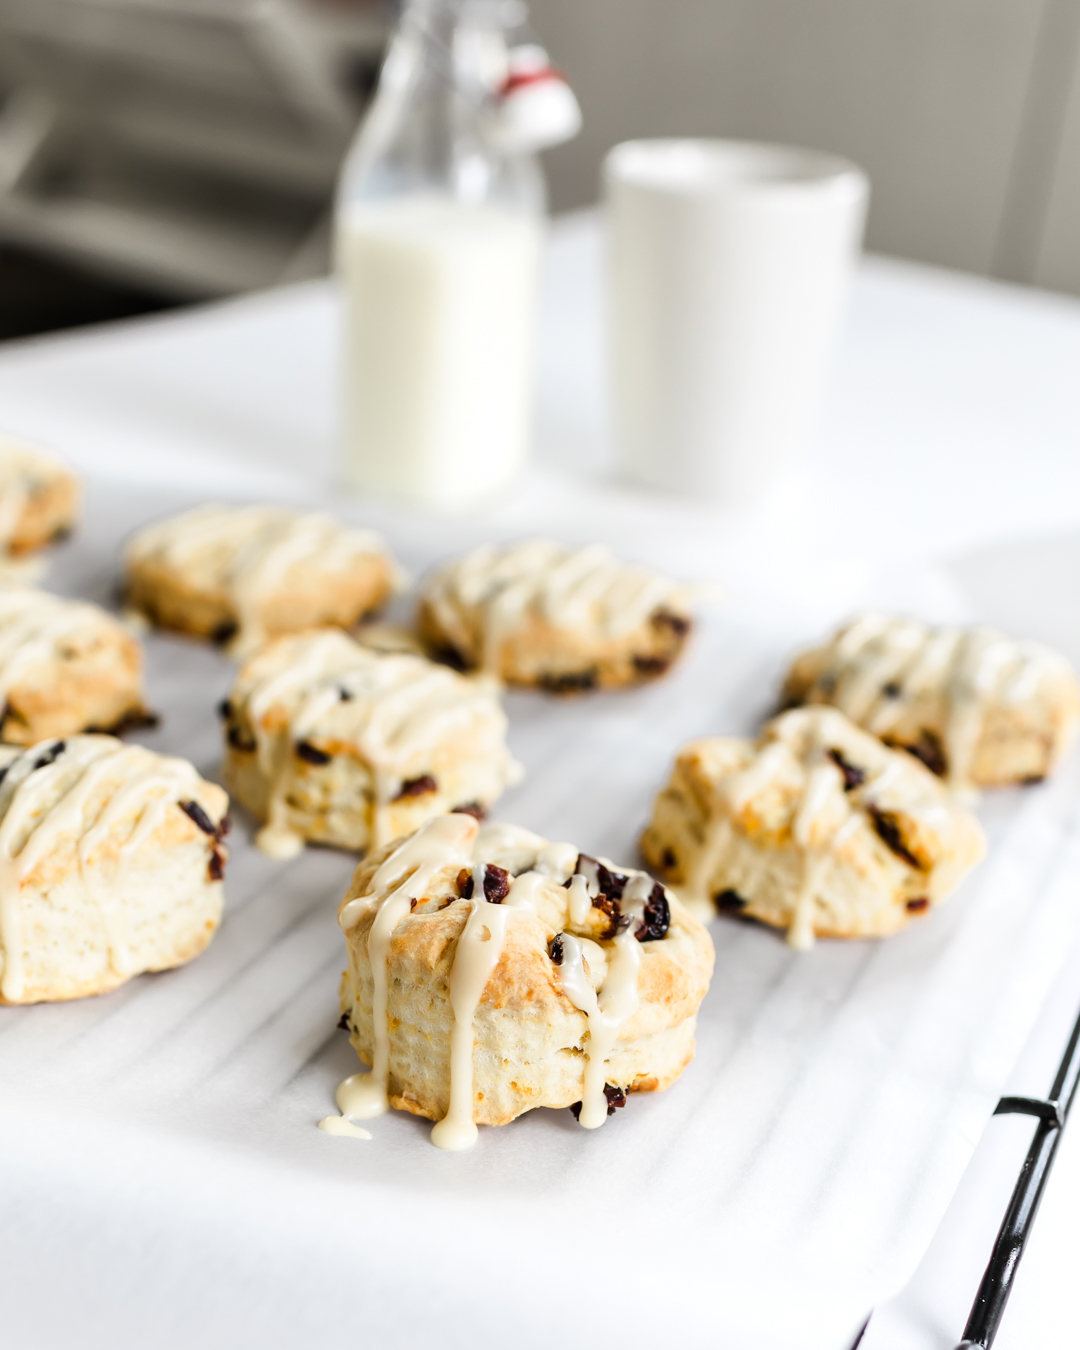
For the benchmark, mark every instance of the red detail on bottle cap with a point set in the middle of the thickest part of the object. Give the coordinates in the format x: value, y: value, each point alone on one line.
x: 520, y: 78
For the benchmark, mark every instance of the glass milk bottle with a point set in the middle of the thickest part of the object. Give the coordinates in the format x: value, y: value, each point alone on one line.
x: 439, y: 232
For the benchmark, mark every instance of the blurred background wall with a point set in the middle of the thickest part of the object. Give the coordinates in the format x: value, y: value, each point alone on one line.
x: 966, y: 113
x: 177, y: 149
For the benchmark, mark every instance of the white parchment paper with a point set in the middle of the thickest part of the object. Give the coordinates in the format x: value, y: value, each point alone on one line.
x: 163, y: 1180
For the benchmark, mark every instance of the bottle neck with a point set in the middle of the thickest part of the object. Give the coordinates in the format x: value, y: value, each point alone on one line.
x: 429, y: 127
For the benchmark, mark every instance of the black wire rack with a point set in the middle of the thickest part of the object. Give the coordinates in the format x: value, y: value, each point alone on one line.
x: 1000, y: 1274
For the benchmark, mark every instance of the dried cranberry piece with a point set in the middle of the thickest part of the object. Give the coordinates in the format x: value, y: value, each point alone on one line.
x: 449, y: 655
x: 888, y: 829
x: 224, y: 709
x: 918, y: 905
x: 929, y: 749
x: 195, y: 812
x: 853, y: 777
x: 142, y: 719
x: 612, y: 885
x: 49, y: 756
x: 668, y: 860
x: 343, y: 1022
x: 218, y: 857
x: 496, y: 884
x: 891, y: 690
x: 651, y: 665
x: 617, y: 920
x: 555, y: 950
x: 311, y: 753
x: 475, y: 809
x: 238, y: 740
x: 571, y: 681
x: 416, y: 787
x: 656, y: 919
x: 616, y: 1096
x: 729, y: 901
x: 224, y: 632
x: 664, y: 618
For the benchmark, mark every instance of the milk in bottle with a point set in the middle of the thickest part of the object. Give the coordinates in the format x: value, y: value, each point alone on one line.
x: 438, y: 240
x: 440, y: 312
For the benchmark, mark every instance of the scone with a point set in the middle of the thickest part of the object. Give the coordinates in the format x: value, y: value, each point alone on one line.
x: 39, y: 498
x: 818, y: 828
x: 975, y: 706
x: 328, y: 740
x: 111, y: 859
x: 491, y: 972
x: 65, y: 666
x: 554, y: 617
x: 240, y: 575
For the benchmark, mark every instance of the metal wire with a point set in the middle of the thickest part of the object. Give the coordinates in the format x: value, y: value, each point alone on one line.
x: 997, y: 1281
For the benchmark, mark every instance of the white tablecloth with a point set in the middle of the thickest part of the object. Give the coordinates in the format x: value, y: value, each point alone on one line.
x: 949, y: 433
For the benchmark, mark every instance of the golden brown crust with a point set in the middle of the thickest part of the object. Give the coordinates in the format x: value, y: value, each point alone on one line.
x: 530, y: 1039
x: 67, y: 667
x: 45, y: 501
x: 886, y: 844
x: 539, y: 655
x: 137, y: 888
x: 49, y: 515
x: 242, y: 575
x: 548, y: 616
x: 1027, y: 714
x: 398, y: 739
x: 307, y: 599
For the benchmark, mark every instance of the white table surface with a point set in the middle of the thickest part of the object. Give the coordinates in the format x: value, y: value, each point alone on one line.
x: 950, y: 431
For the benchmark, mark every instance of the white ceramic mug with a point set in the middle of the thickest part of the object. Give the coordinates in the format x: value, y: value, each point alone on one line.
x: 729, y: 267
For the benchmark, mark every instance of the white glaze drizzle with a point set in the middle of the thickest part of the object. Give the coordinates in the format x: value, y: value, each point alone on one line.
x: 399, y: 708
x: 610, y: 1008
x: 825, y: 813
x: 21, y: 470
x: 449, y: 843
x: 39, y: 806
x: 969, y: 670
x: 823, y: 784
x: 402, y: 878
x: 567, y: 587
x: 477, y: 955
x: 248, y: 551
x: 342, y: 1125
x: 35, y: 624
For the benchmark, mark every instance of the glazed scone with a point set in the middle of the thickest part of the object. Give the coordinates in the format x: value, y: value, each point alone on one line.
x: 39, y: 498
x: 110, y: 865
x: 328, y: 740
x: 553, y: 617
x: 65, y: 666
x: 818, y: 828
x: 975, y: 706
x: 241, y: 575
x: 490, y: 972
